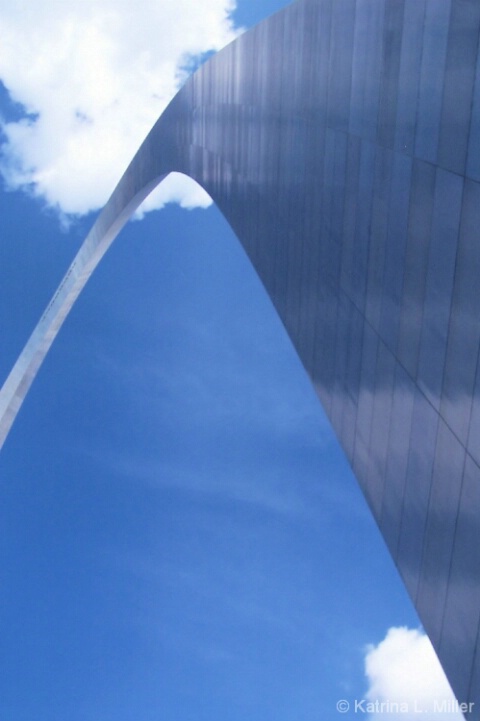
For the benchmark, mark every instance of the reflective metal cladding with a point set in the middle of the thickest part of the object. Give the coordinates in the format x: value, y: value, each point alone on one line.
x: 341, y: 139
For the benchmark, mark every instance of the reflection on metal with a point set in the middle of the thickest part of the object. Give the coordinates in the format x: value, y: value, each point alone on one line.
x: 341, y: 140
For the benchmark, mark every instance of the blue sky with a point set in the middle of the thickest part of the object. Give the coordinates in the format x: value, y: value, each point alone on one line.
x: 181, y: 537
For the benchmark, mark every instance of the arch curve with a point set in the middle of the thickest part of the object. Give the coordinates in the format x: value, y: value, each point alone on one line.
x: 352, y: 181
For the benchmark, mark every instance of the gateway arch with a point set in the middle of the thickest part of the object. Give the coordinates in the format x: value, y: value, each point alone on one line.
x: 341, y: 140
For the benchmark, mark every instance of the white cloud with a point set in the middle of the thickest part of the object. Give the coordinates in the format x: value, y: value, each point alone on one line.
x: 93, y: 76
x: 176, y: 188
x: 404, y: 670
